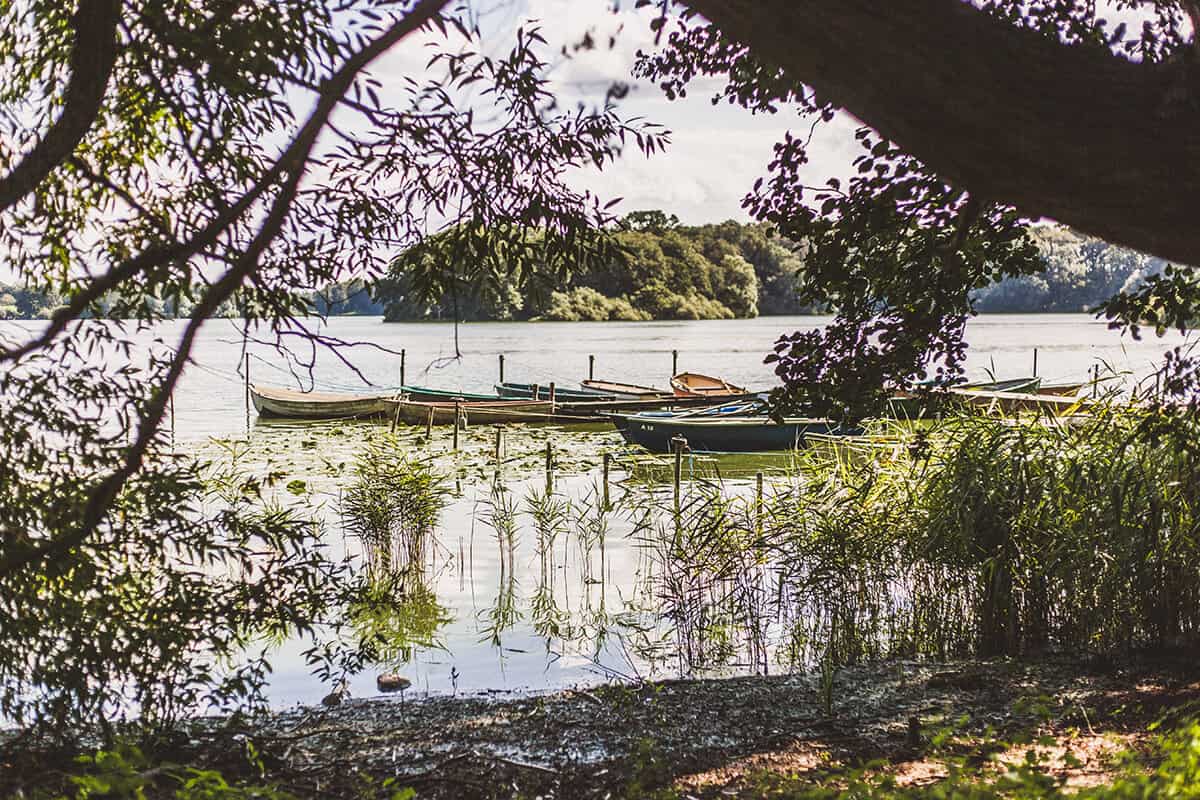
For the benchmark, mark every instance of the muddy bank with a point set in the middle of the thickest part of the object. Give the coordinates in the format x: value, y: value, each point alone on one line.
x: 705, y: 738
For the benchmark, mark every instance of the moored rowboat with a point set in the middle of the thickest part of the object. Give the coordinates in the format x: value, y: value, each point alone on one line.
x: 541, y: 391
x: 624, y: 390
x: 725, y: 434
x: 494, y: 412
x: 693, y: 384
x: 274, y: 401
x: 1009, y: 402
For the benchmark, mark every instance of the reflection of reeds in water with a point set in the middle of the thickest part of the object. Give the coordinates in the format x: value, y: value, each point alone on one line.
x: 501, y: 516
x: 392, y: 506
x: 711, y: 584
x: 395, y: 617
x: 549, y: 512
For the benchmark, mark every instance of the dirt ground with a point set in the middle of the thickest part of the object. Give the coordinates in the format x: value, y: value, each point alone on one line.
x: 704, y: 739
x: 707, y: 738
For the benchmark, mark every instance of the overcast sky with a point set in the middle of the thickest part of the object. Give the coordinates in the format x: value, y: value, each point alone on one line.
x: 716, y: 152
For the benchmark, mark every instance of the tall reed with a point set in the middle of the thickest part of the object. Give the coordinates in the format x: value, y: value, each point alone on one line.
x: 976, y: 537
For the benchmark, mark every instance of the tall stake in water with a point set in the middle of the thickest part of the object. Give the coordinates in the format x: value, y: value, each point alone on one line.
x: 607, y: 461
x: 677, y: 444
x: 457, y: 412
x: 247, y: 394
x: 758, y: 504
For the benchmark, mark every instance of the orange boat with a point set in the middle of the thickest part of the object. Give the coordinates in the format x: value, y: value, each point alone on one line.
x: 691, y: 384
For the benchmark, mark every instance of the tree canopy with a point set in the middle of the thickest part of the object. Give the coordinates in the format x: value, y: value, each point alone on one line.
x: 655, y: 268
x: 977, y: 118
x: 194, y: 151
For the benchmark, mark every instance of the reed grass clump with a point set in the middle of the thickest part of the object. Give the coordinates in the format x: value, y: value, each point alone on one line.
x: 978, y: 537
x: 392, y: 505
x: 999, y: 537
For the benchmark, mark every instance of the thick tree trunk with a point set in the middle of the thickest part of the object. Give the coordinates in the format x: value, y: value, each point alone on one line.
x: 1076, y: 134
x: 93, y: 57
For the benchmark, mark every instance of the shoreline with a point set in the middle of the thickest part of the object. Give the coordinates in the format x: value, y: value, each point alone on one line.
x: 700, y: 738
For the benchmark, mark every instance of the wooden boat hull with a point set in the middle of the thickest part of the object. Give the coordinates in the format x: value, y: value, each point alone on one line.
x: 273, y: 401
x: 415, y: 412
x: 427, y: 394
x: 535, y: 391
x: 624, y: 390
x: 1062, y: 389
x: 725, y: 435
x: 693, y: 384
x: 1013, y: 402
x: 933, y: 400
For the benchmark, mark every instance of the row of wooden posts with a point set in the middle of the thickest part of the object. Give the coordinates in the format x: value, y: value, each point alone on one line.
x: 500, y: 359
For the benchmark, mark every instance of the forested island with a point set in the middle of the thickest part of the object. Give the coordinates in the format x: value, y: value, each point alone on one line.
x: 664, y: 270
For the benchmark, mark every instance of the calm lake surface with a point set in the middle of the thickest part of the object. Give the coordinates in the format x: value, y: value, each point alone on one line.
x: 551, y: 605
x: 210, y: 401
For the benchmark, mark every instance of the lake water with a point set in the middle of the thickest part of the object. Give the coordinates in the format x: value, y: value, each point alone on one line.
x: 541, y: 609
x: 210, y: 400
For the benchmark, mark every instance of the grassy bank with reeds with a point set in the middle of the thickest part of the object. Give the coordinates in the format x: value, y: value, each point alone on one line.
x: 976, y: 538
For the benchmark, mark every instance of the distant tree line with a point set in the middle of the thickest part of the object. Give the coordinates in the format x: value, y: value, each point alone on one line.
x: 656, y: 269
x: 340, y: 299
x: 660, y: 269
x: 1081, y: 272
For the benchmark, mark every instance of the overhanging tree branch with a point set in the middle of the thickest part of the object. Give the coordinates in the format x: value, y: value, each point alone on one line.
x: 93, y: 57
x: 1074, y: 133
x: 292, y: 165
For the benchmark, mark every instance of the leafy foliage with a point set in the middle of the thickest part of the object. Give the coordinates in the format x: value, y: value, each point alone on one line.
x: 188, y: 151
x: 896, y: 252
x: 651, y: 268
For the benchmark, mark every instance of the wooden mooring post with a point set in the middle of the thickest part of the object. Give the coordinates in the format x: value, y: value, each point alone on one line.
x: 429, y: 427
x: 591, y: 368
x: 758, y: 502
x: 499, y: 443
x: 1035, y: 362
x: 403, y: 358
x: 501, y: 368
x: 549, y: 466
x: 457, y: 415
x: 674, y: 363
x: 677, y: 445
x: 607, y: 462
x: 247, y: 370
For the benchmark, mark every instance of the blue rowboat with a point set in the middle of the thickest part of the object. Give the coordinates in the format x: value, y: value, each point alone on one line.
x: 724, y: 433
x: 537, y: 391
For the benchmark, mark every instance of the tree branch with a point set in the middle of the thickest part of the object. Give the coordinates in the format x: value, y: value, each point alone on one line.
x: 294, y: 163
x: 1074, y: 133
x: 93, y: 57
